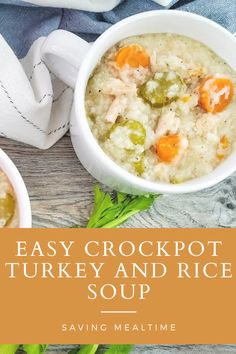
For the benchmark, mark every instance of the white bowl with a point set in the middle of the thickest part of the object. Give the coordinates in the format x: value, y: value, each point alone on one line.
x: 21, y: 194
x: 75, y: 53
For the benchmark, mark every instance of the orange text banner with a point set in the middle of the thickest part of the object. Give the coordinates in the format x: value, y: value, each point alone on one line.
x: 151, y: 286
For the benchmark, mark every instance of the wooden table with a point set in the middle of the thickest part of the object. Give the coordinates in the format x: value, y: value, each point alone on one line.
x: 61, y: 194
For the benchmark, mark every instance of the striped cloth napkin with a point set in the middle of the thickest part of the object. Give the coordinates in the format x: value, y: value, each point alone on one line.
x: 35, y: 105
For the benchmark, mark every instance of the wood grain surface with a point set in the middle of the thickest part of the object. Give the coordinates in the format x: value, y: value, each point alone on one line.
x: 61, y: 194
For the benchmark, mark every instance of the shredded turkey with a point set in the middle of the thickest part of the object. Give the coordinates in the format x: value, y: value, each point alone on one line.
x: 117, y: 87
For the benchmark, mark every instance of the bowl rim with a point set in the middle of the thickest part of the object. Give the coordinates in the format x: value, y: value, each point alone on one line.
x: 18, y: 185
x: 189, y: 186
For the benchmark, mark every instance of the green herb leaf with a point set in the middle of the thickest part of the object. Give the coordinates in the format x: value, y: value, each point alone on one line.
x: 87, y: 349
x: 44, y: 347
x: 35, y: 348
x: 8, y: 348
x: 109, y: 213
x: 102, y: 204
x: 120, y: 349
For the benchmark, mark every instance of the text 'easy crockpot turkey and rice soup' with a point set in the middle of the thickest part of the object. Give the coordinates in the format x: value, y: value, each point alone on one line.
x: 8, y: 206
x: 162, y: 106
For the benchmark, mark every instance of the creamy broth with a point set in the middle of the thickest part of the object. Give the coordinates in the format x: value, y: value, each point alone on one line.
x: 8, y: 206
x: 162, y: 106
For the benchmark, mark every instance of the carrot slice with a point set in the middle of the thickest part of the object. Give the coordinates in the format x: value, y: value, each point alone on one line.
x: 216, y: 93
x: 168, y: 147
x: 133, y: 55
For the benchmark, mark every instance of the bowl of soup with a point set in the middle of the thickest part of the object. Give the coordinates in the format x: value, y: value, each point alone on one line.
x: 15, y: 210
x: 162, y: 106
x: 154, y: 106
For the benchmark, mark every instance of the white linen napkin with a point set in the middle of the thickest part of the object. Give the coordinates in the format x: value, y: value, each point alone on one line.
x: 163, y: 2
x: 87, y: 5
x: 35, y: 106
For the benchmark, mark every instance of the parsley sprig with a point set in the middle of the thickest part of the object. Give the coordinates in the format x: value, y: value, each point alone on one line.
x: 113, y: 349
x: 111, y: 212
x: 28, y: 348
x: 84, y: 349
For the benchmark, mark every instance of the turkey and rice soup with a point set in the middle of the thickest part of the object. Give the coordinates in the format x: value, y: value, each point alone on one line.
x: 162, y: 106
